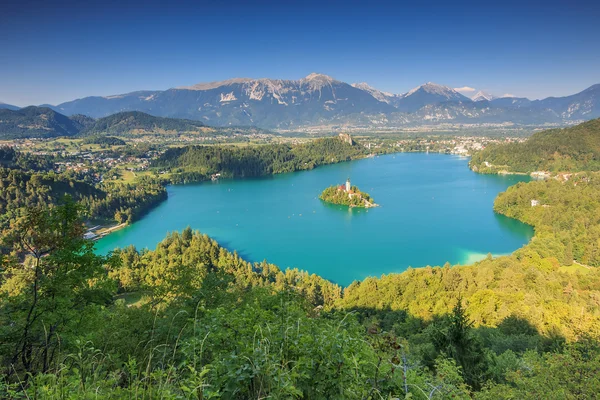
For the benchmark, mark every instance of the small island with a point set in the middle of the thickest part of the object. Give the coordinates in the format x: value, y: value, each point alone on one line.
x: 347, y: 195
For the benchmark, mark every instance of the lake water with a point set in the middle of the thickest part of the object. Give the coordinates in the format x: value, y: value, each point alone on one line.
x: 433, y: 209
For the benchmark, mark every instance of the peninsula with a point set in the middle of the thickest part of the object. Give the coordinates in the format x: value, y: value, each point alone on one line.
x: 347, y: 195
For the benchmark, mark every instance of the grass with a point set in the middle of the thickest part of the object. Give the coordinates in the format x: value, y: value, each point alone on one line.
x: 575, y: 268
x: 127, y: 176
x: 133, y: 299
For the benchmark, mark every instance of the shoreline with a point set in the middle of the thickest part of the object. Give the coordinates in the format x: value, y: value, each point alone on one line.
x: 463, y: 262
x: 99, y: 232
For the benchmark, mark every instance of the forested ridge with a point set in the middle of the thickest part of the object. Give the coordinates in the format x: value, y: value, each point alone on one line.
x: 191, y: 319
x: 566, y: 217
x: 44, y: 122
x: 33, y: 121
x: 197, y: 163
x: 556, y: 150
x: 132, y: 122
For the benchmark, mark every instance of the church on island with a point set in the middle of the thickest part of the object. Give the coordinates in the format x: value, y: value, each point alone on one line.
x: 347, y: 195
x: 347, y: 188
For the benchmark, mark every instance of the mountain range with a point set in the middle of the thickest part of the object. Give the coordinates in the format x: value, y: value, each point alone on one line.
x: 319, y: 100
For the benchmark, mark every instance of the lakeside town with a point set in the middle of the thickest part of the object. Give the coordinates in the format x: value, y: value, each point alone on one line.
x: 126, y: 162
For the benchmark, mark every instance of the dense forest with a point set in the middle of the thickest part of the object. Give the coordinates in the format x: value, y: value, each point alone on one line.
x: 10, y: 158
x: 193, y: 320
x: 557, y: 150
x: 104, y: 140
x: 44, y: 122
x: 120, y: 202
x: 197, y: 163
x: 28, y: 181
x: 566, y: 217
x: 33, y: 121
x: 132, y: 122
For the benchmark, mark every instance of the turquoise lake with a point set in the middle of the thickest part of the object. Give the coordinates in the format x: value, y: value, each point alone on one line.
x: 433, y: 209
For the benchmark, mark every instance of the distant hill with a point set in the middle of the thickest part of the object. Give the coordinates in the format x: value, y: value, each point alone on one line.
x: 135, y: 122
x: 8, y: 106
x: 83, y: 120
x: 41, y: 122
x: 197, y: 163
x: 582, y: 105
x: 570, y: 149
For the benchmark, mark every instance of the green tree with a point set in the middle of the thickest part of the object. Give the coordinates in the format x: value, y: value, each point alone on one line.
x: 453, y: 337
x: 48, y: 285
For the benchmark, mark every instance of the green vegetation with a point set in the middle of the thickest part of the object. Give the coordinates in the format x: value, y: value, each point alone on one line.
x: 104, y: 140
x: 198, y: 163
x: 207, y: 324
x: 111, y: 201
x: 43, y: 122
x: 9, y: 158
x: 566, y: 220
x: 135, y: 122
x: 192, y: 320
x: 28, y: 181
x: 354, y: 198
x: 556, y: 150
x: 33, y: 121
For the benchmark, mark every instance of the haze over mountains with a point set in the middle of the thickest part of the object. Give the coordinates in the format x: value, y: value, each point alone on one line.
x: 8, y: 106
x: 319, y: 100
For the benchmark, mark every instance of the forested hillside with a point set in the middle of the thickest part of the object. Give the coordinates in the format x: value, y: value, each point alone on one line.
x: 10, y: 158
x: 557, y: 150
x: 28, y: 181
x: 120, y: 202
x: 566, y: 217
x: 36, y: 122
x: 192, y: 320
x: 196, y: 163
x: 43, y: 122
x: 135, y: 122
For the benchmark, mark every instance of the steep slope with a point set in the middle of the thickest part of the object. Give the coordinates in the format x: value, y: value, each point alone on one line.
x: 583, y: 105
x: 511, y: 102
x: 570, y: 149
x: 83, y: 120
x: 132, y: 122
x: 385, y: 97
x: 427, y: 94
x: 97, y: 106
x: 321, y: 100
x: 483, y: 96
x: 38, y: 122
x: 263, y: 102
x: 8, y: 106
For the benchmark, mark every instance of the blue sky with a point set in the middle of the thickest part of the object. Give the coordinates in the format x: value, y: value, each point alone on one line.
x: 52, y: 52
